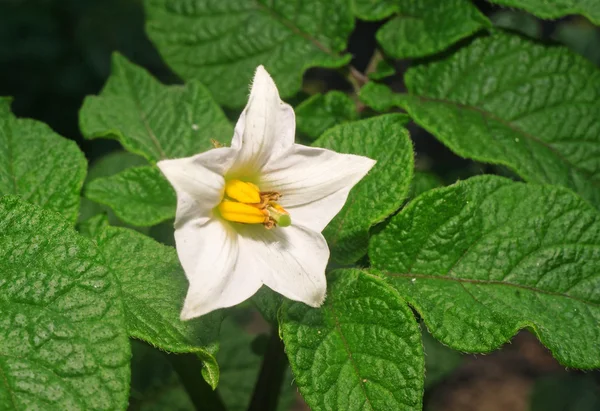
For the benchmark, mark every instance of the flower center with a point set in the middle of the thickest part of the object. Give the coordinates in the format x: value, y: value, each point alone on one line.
x: 245, y: 203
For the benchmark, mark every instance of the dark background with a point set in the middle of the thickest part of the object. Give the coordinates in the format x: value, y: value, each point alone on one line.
x: 55, y: 52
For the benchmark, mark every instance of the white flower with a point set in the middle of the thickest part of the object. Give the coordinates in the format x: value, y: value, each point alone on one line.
x: 252, y: 214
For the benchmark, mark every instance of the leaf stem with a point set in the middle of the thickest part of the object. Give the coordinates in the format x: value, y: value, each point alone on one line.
x: 201, y: 394
x: 268, y: 385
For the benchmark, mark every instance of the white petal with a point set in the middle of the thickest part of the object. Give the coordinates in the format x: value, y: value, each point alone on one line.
x: 265, y: 128
x: 210, y: 256
x: 314, y: 182
x: 198, y: 182
x: 291, y: 261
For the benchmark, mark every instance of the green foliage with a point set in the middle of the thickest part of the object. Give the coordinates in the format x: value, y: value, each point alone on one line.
x: 140, y: 196
x: 483, y: 258
x: 38, y: 165
x: 423, y: 181
x: 153, y: 288
x: 320, y: 112
x: 63, y: 343
x: 557, y: 8
x: 151, y: 119
x: 106, y: 166
x: 361, y: 349
x: 383, y: 69
x: 222, y: 43
x: 421, y: 27
x: 492, y: 102
x: 240, y: 357
x: 381, y: 192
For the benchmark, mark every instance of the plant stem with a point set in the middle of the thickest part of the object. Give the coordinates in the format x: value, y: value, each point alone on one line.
x: 268, y: 385
x: 188, y: 368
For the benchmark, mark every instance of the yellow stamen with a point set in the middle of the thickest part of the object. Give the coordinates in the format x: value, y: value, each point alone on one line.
x: 242, y: 191
x: 243, y: 213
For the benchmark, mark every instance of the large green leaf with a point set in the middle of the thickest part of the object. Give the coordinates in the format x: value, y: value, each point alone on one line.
x: 140, y: 196
x: 361, y: 350
x: 421, y: 27
x: 63, y: 340
x: 556, y: 8
x: 151, y: 119
x: 381, y: 192
x: 39, y: 165
x: 221, y: 43
x: 153, y: 287
x: 320, y: 112
x: 483, y: 258
x: 506, y: 100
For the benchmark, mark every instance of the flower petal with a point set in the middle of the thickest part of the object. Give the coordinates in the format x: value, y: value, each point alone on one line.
x: 314, y: 182
x: 209, y: 254
x: 291, y: 260
x: 198, y: 182
x: 265, y: 128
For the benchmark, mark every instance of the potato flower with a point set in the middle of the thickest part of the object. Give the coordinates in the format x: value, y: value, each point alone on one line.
x: 252, y: 213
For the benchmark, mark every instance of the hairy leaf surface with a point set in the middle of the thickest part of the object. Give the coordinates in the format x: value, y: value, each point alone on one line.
x: 63, y: 339
x: 151, y: 119
x: 485, y: 257
x: 222, y: 42
x: 39, y: 165
x: 506, y: 100
x: 361, y: 350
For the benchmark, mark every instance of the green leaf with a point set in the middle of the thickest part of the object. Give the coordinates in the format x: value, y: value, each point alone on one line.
x: 320, y: 112
x: 140, y: 196
x: 381, y: 192
x: 383, y: 69
x: 421, y: 27
x: 222, y: 43
x: 151, y: 119
x: 492, y: 102
x: 557, y: 8
x: 63, y: 342
x: 93, y: 226
x: 105, y: 166
x: 38, y: 165
x: 424, y: 27
x: 361, y: 350
x: 240, y: 357
x: 153, y: 286
x: 485, y: 257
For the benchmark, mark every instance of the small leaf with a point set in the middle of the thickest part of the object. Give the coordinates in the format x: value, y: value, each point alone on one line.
x: 38, y: 165
x: 381, y: 192
x: 424, y: 27
x: 485, y: 257
x: 63, y: 341
x: 151, y: 119
x: 491, y: 102
x: 320, y: 112
x: 555, y: 9
x: 140, y: 196
x: 382, y: 70
x: 93, y: 226
x: 153, y: 286
x: 361, y: 350
x: 222, y: 43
